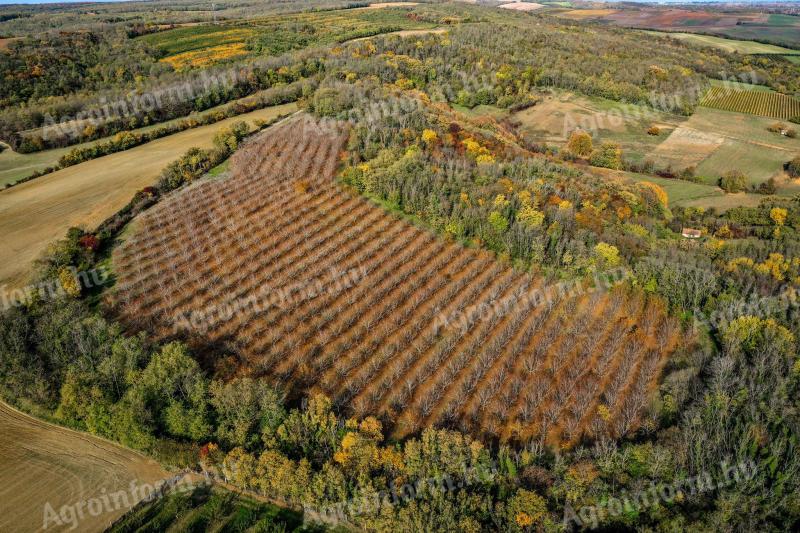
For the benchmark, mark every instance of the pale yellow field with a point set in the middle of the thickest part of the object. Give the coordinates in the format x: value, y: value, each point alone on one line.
x: 587, y: 13
x: 36, y: 213
x: 391, y: 4
x: 47, y: 464
x: 522, y: 6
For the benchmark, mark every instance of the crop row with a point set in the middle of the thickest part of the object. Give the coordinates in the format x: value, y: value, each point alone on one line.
x: 762, y: 103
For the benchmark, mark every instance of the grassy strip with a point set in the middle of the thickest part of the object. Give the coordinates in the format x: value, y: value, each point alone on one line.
x: 128, y: 139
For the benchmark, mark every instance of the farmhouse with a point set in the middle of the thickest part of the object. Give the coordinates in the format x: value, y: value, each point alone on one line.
x: 690, y: 233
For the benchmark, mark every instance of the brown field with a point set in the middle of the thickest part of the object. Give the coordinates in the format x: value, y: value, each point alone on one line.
x: 35, y: 213
x: 317, y: 288
x: 687, y: 146
x: 43, y: 463
x: 4, y: 43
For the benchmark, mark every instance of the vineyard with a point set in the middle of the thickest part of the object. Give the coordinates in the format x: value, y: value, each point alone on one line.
x: 761, y: 103
x: 314, y: 287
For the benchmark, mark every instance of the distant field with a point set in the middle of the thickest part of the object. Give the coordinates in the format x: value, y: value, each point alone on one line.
x: 522, y: 6
x: 38, y: 212
x: 738, y: 26
x: 729, y: 45
x: 762, y: 103
x: 208, y: 509
x: 716, y: 141
x: 44, y: 463
x: 203, y: 45
x: 725, y: 201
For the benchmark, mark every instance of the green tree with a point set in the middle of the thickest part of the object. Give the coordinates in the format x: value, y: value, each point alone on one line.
x: 171, y: 394
x: 733, y: 181
x: 247, y: 411
x: 609, y: 155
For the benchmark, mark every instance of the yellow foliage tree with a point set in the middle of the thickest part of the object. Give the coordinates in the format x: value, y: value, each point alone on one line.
x: 778, y: 215
x: 429, y: 137
x: 580, y: 143
x: 608, y: 254
x: 69, y: 282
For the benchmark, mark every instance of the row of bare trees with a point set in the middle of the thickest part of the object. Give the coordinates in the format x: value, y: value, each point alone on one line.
x: 261, y: 255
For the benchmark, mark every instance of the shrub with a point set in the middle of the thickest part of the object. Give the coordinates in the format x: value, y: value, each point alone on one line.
x: 733, y: 181
x: 767, y: 187
x: 793, y: 167
x: 609, y: 155
x: 654, y: 130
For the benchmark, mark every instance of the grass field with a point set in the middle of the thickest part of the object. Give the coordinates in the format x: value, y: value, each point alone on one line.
x: 729, y: 45
x: 35, y: 213
x: 374, y: 338
x: 766, y: 104
x: 681, y: 191
x: 713, y: 141
x: 716, y: 141
x: 208, y: 509
x: 44, y: 463
x: 553, y: 119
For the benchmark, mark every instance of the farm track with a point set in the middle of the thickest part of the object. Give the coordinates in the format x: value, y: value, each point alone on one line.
x: 324, y: 292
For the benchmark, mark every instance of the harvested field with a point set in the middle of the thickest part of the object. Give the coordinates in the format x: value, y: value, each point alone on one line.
x: 44, y: 463
x: 687, y: 146
x: 582, y: 14
x: 319, y: 289
x: 765, y: 104
x: 522, y: 6
x: 35, y: 213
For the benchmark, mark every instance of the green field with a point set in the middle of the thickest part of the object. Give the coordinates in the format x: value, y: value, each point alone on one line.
x: 680, y: 191
x: 729, y: 45
x: 740, y: 86
x: 208, y: 509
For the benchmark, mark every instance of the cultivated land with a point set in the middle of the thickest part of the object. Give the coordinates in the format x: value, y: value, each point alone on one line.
x: 15, y: 166
x: 735, y: 25
x: 323, y: 291
x: 763, y: 103
x: 44, y: 463
x: 711, y: 140
x: 35, y: 213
